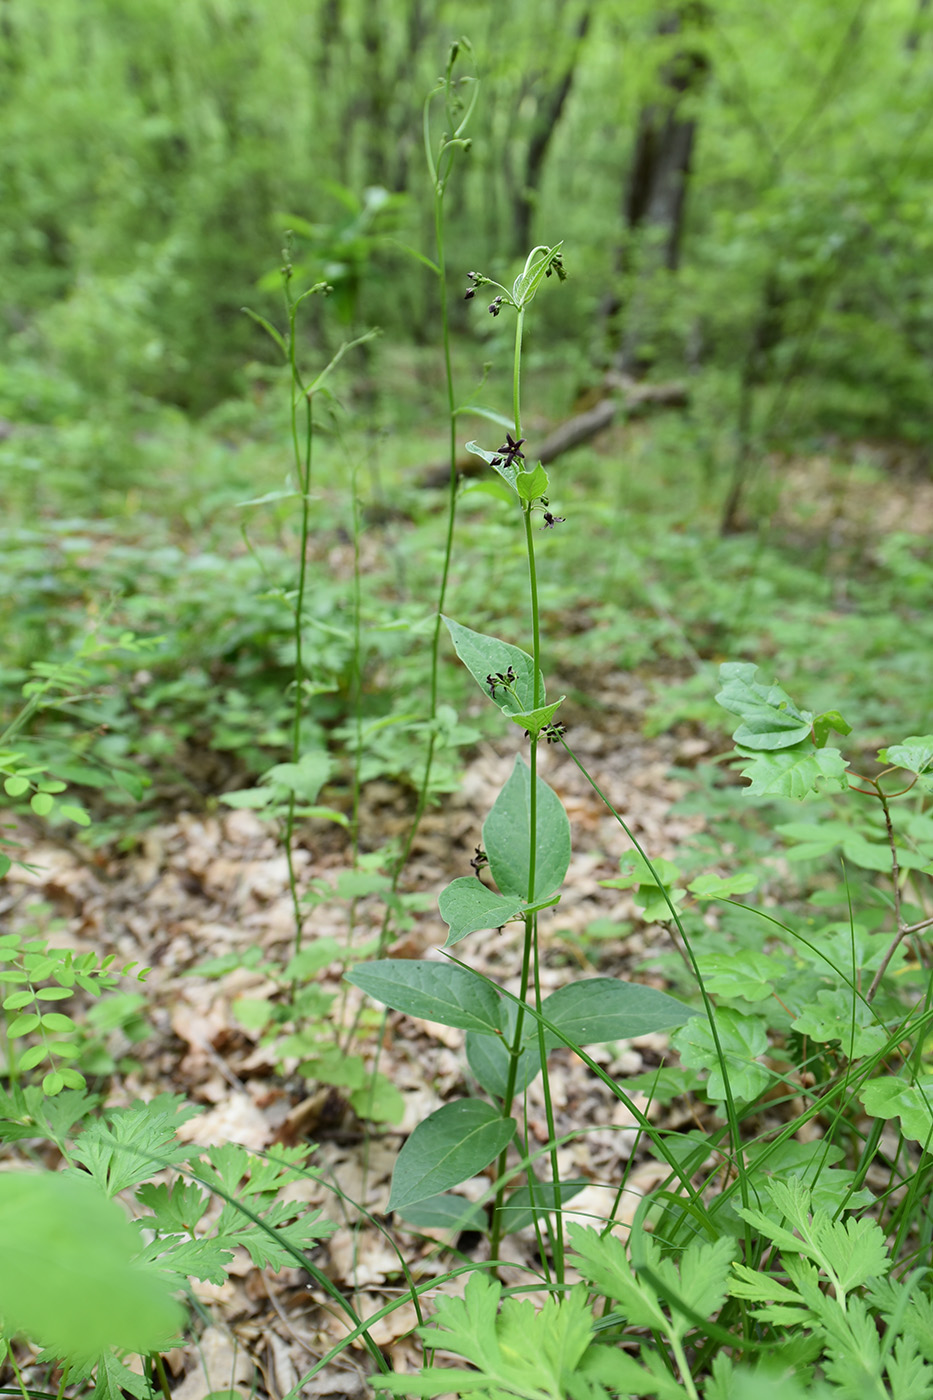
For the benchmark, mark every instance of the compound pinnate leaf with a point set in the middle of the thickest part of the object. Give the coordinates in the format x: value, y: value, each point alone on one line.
x: 454, y: 1143
x: 69, y: 1278
x: 507, y: 836
x: 434, y: 990
x: 599, y: 1009
x: 467, y: 906
x: 771, y: 719
x: 488, y: 656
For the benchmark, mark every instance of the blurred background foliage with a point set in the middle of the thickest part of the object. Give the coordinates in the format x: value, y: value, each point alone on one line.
x: 154, y: 153
x: 742, y: 187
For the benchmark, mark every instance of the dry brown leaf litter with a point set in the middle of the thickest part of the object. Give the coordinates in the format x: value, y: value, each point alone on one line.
x: 200, y: 886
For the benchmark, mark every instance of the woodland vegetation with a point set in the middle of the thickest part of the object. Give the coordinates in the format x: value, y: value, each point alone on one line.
x: 407, y: 983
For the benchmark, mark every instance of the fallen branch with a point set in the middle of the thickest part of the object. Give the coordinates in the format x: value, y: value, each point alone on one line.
x: 619, y: 396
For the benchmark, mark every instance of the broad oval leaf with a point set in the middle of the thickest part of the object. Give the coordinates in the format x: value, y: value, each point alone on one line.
x: 488, y: 1056
x: 467, y: 906
x: 446, y: 1212
x: 488, y: 656
x: 507, y: 836
x: 453, y: 1144
x: 598, y: 1009
x: 434, y: 990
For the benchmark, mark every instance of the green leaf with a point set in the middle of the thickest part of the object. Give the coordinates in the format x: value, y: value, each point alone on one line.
x: 23, y: 1025
x: 69, y: 1279
x: 16, y: 1000
x: 771, y: 719
x: 723, y: 886
x: 32, y: 1057
x: 911, y: 1103
x: 829, y: 722
x: 252, y: 1012
x: 839, y: 1015
x: 484, y: 656
x: 304, y: 779
x: 705, y: 1268
x: 489, y: 488
x: 532, y: 484
x: 253, y: 798
x: 535, y: 720
x: 599, y: 1009
x: 751, y: 976
x: 743, y: 1039
x: 137, y: 1142
x: 915, y: 755
x: 497, y: 461
x: 488, y: 1056
x: 445, y: 1212
x: 16, y: 786
x: 268, y: 328
x: 507, y: 836
x: 41, y: 803
x: 604, y: 1263
x: 454, y: 1143
x: 467, y: 906
x: 656, y: 890
x: 58, y: 1022
x: 436, y: 991
x: 378, y: 1101
x: 521, y: 1208
x: 795, y: 772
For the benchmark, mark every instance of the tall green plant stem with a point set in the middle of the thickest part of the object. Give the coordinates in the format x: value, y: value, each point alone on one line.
x: 303, y: 453
x: 440, y: 172
x: 303, y: 458
x: 530, y: 941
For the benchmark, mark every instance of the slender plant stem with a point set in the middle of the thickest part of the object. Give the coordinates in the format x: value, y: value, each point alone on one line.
x: 530, y: 942
x: 902, y: 928
x: 304, y: 456
x: 448, y: 152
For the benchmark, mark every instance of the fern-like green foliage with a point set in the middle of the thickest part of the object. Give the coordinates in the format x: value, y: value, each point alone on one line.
x: 874, y: 1336
x: 120, y: 1151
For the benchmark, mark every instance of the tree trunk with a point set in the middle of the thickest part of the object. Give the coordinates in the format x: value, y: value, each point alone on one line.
x: 549, y: 105
x: 655, y: 194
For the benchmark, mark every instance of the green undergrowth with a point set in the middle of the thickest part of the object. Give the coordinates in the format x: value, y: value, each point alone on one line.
x: 635, y: 587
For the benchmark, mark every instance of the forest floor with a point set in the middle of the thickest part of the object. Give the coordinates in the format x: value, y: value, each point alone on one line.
x: 198, y: 886
x: 211, y: 883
